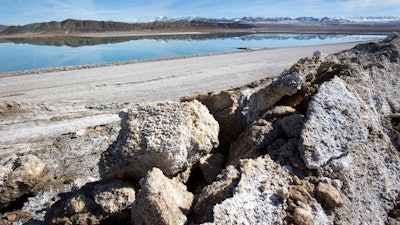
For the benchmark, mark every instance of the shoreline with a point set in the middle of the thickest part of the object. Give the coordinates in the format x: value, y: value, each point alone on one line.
x: 155, y: 80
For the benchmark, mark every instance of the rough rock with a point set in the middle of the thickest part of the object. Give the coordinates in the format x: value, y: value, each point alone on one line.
x: 303, y: 217
x: 264, y: 99
x: 303, y: 200
x: 230, y: 108
x: 279, y: 111
x: 285, y: 152
x: 114, y: 197
x: 260, y: 134
x: 211, y: 166
x: 329, y: 194
x: 255, y: 199
x: 18, y: 176
x: 161, y: 201
x: 168, y: 135
x: 93, y: 203
x: 214, y: 193
x: 394, y: 214
x: 293, y: 125
x: 283, y: 193
x: 334, y: 125
x: 374, y: 167
x: 225, y: 107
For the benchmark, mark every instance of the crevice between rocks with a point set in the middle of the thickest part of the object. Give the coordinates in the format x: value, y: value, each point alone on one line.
x: 17, y: 204
x: 325, y: 73
x: 196, y: 180
x: 395, y: 130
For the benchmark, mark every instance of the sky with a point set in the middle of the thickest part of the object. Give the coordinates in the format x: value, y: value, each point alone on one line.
x: 21, y: 12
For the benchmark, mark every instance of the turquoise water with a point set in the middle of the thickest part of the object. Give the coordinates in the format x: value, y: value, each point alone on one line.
x: 37, y: 53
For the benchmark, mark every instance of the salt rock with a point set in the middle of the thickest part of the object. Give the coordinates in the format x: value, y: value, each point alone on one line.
x: 303, y: 217
x: 114, y: 197
x: 264, y: 99
x: 260, y: 134
x: 161, y: 201
x: 171, y: 136
x: 211, y: 165
x: 329, y: 194
x: 18, y: 176
x: 292, y: 125
x: 334, y: 125
x: 92, y: 203
x: 215, y: 193
x: 279, y: 111
x: 225, y: 108
x: 254, y: 200
x: 283, y: 193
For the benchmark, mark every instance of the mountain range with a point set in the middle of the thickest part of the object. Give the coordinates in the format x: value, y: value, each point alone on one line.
x: 71, y: 26
x: 391, y: 21
x: 323, y: 21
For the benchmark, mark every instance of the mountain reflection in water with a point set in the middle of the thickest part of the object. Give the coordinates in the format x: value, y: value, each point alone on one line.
x: 48, y: 52
x: 89, y: 41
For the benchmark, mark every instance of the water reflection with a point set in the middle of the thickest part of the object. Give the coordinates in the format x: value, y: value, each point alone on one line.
x: 90, y: 41
x: 35, y: 53
x: 2, y: 41
x: 307, y: 37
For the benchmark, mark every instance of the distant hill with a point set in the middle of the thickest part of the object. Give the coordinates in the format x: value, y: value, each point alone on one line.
x: 89, y: 26
x: 2, y: 27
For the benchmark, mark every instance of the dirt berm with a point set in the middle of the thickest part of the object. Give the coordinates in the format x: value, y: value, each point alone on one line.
x: 317, y: 145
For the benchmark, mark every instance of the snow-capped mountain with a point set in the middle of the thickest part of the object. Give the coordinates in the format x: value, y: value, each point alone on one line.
x: 191, y: 18
x: 361, y: 20
x: 322, y: 21
x: 294, y: 21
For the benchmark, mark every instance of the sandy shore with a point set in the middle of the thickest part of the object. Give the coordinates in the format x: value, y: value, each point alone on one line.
x: 155, y: 80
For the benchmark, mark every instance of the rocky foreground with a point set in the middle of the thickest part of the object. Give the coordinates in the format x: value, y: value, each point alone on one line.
x: 317, y: 145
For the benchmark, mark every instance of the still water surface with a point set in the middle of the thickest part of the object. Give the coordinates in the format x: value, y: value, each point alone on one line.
x: 36, y: 53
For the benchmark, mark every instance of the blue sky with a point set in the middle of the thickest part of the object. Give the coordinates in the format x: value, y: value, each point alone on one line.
x: 20, y: 12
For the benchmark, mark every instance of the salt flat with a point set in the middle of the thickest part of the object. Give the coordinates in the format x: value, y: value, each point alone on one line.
x: 155, y: 80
